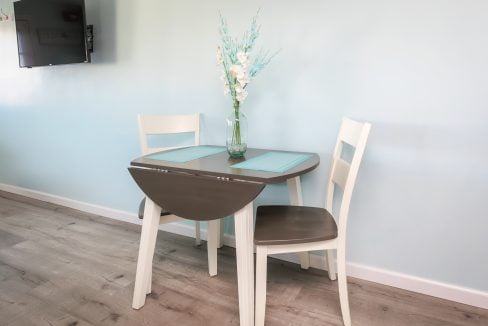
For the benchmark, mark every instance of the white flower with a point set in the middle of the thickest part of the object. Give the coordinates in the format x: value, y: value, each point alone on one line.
x: 244, y: 80
x: 242, y: 95
x: 223, y: 77
x: 236, y: 71
x: 220, y: 58
x: 242, y: 57
x: 240, y: 74
x: 239, y: 89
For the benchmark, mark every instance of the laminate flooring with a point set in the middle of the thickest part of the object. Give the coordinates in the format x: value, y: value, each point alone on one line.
x: 59, y: 266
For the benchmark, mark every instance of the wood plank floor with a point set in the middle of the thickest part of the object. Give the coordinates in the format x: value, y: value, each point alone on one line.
x: 59, y: 266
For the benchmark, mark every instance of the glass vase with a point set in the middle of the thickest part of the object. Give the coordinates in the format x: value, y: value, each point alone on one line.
x: 236, y: 134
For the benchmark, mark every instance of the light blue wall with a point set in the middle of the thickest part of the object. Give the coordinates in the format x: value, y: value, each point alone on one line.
x: 418, y: 70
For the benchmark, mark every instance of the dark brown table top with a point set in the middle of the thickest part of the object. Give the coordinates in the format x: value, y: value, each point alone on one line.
x: 219, y: 165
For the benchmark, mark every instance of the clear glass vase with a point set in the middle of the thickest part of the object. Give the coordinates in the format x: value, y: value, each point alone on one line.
x: 236, y: 134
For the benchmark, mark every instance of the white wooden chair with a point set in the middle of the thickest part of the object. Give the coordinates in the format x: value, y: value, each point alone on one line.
x: 287, y: 229
x: 159, y: 125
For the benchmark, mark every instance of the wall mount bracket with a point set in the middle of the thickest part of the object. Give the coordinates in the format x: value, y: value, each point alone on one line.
x: 89, y: 38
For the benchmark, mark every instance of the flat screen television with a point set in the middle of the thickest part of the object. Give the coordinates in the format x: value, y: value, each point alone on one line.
x: 51, y: 32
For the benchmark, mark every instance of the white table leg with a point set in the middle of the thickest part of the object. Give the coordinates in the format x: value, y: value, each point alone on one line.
x: 295, y: 193
x: 213, y: 234
x: 244, y: 230
x: 150, y: 224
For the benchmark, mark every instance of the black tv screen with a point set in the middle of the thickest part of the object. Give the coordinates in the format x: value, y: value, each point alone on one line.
x: 51, y: 32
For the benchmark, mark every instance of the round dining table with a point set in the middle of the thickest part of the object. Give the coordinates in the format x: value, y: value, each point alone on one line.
x: 205, y: 189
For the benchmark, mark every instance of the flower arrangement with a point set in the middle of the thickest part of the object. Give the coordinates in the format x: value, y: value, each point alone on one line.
x: 238, y: 68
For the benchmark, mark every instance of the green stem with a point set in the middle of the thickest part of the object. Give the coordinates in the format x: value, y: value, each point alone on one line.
x: 236, y: 134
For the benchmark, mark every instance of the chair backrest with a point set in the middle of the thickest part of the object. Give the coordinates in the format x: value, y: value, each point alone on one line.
x: 343, y: 174
x: 159, y: 125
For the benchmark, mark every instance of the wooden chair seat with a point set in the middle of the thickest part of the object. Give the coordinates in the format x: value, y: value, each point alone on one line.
x: 141, y: 209
x: 279, y: 225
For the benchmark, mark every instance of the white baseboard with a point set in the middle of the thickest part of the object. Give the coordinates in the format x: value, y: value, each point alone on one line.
x: 399, y: 280
x: 426, y: 286
x: 71, y: 203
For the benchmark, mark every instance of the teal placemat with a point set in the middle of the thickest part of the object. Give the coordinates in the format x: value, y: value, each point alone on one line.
x: 187, y: 154
x: 278, y: 162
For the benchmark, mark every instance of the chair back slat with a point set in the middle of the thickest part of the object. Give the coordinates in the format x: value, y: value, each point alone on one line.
x: 160, y: 125
x: 343, y: 174
x: 351, y: 131
x: 340, y: 173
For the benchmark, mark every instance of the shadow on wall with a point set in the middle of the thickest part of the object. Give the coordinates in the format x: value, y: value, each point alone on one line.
x: 424, y: 142
x: 103, y: 16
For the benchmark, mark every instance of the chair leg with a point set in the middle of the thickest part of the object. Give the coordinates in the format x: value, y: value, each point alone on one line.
x: 220, y: 238
x: 331, y: 265
x: 198, y: 240
x: 261, y: 273
x: 149, y: 283
x: 342, y: 280
x: 304, y: 260
x: 212, y: 243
